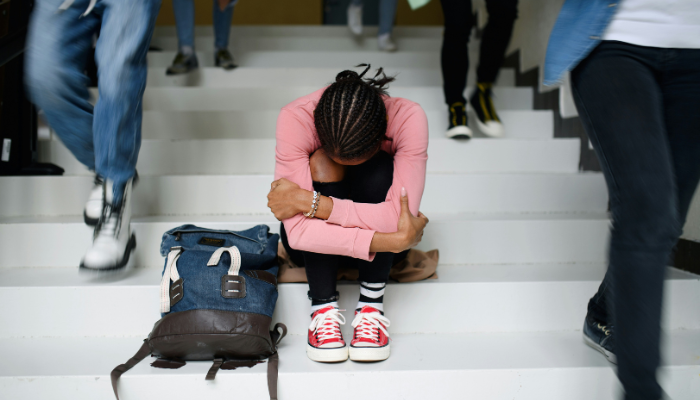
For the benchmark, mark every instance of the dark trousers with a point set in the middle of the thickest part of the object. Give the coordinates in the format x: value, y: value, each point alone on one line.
x: 368, y: 182
x: 639, y: 106
x: 455, y: 56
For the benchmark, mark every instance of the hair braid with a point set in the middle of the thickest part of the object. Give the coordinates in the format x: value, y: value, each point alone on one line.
x: 350, y: 117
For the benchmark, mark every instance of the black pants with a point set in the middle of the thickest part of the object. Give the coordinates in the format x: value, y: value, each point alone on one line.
x: 455, y: 56
x: 640, y: 106
x: 368, y: 182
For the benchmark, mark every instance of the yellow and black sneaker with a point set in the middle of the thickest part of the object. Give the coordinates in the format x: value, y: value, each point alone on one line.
x: 458, y: 128
x: 487, y: 120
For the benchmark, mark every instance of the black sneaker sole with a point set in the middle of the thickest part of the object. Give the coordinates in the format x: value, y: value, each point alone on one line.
x: 90, y: 221
x: 170, y: 72
x: 608, y: 354
x: 130, y: 246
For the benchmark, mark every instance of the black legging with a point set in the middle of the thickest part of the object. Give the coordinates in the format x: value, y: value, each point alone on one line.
x: 455, y: 56
x: 368, y: 182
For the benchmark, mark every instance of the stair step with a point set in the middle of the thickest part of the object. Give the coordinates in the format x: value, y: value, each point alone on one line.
x: 261, y: 124
x: 267, y: 98
x: 338, y: 60
x: 520, y: 298
x: 346, y: 43
x: 247, y: 76
x: 257, y: 156
x: 302, y: 31
x: 461, y: 238
x: 528, y: 366
x: 246, y: 194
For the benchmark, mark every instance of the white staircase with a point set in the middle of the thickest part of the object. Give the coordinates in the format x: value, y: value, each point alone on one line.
x: 522, y: 238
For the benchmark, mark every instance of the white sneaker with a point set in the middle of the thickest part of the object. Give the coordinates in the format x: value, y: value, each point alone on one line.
x: 385, y: 43
x: 355, y: 19
x: 93, y: 207
x: 113, y: 240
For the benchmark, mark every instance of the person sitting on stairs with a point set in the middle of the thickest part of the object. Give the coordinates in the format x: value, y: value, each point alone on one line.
x: 459, y: 21
x: 106, y: 138
x: 186, y: 59
x: 350, y: 173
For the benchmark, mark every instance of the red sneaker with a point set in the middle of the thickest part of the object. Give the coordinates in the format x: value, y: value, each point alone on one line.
x: 371, y: 339
x: 326, y: 342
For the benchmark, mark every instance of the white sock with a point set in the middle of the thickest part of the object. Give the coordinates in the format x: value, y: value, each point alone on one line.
x: 187, y: 50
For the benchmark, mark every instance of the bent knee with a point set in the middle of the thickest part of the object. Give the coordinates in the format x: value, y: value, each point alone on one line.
x: 651, y: 222
x: 324, y: 169
x: 49, y: 85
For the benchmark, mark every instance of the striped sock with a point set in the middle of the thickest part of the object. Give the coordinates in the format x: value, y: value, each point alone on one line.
x: 372, y: 294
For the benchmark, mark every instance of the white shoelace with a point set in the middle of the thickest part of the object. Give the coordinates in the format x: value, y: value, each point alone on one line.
x: 327, y: 325
x: 367, y: 324
x: 67, y: 3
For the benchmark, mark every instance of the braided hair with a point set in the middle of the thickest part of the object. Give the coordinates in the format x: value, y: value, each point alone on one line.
x: 350, y: 117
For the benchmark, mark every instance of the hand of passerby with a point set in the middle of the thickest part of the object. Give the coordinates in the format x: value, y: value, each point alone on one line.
x: 410, y: 228
x: 223, y: 4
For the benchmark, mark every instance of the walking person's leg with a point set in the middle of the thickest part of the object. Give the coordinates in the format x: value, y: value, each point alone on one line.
x: 455, y: 63
x: 223, y: 14
x: 355, y: 17
x: 681, y: 94
x: 186, y: 59
x: 387, y: 15
x: 494, y: 42
x: 127, y: 27
x: 59, y: 50
x: 58, y: 46
x: 620, y: 100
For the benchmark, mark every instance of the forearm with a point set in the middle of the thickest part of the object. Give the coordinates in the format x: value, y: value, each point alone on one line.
x: 304, y: 200
x: 387, y: 243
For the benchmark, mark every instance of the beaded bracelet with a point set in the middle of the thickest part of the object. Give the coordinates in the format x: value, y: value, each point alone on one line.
x: 314, y: 205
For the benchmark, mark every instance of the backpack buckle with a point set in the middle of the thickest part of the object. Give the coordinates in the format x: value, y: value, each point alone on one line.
x: 233, y: 286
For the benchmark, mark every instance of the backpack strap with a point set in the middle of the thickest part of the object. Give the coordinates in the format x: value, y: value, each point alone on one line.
x: 235, y: 259
x: 143, y: 352
x: 169, y: 274
x: 274, y: 360
x: 272, y: 369
x: 276, y: 335
x: 211, y: 375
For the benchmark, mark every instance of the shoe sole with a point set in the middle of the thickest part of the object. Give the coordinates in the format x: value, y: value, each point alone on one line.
x: 608, y: 354
x: 482, y: 127
x: 130, y: 246
x: 369, y: 354
x: 169, y: 72
x: 327, y: 355
x: 459, y: 132
x: 90, y: 221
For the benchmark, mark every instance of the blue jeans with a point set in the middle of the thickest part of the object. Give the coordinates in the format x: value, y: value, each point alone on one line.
x: 184, y: 19
x: 106, y: 138
x: 387, y: 14
x: 639, y: 106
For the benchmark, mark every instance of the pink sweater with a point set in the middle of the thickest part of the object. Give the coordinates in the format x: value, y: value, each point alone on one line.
x: 350, y: 227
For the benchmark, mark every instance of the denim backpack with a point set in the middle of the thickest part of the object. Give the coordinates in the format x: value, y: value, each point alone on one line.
x: 217, y: 296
